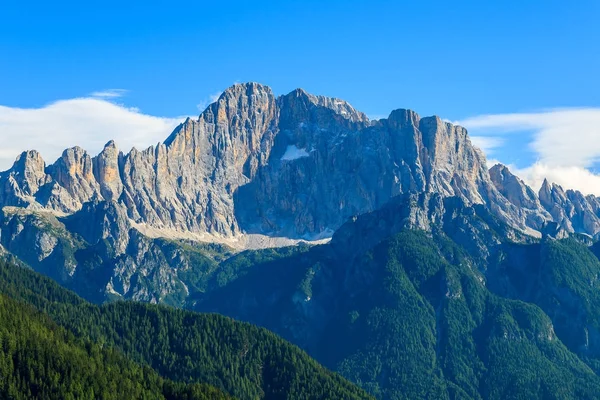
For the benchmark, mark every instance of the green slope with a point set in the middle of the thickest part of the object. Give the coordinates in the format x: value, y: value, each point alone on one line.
x: 40, y: 360
x: 435, y: 331
x: 241, y: 359
x: 562, y: 278
x: 412, y: 318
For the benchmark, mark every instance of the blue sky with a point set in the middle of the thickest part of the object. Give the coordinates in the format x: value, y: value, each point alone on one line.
x: 460, y: 59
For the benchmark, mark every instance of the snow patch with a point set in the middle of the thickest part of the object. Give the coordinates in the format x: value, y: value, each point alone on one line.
x: 293, y: 153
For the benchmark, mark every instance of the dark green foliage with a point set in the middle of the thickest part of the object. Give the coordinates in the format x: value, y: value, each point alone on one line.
x: 241, y: 359
x: 412, y: 318
x: 203, y: 261
x: 41, y: 360
x: 561, y: 277
x: 239, y: 265
x: 465, y: 340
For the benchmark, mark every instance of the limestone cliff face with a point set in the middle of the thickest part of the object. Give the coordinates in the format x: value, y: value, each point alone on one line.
x: 185, y: 184
x: 525, y: 201
x: 74, y: 173
x: 571, y: 210
x: 294, y: 166
x: 552, y: 208
x: 327, y: 166
x: 23, y: 181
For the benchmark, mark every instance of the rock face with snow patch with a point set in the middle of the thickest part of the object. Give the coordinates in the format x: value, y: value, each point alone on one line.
x: 295, y: 166
x: 344, y: 165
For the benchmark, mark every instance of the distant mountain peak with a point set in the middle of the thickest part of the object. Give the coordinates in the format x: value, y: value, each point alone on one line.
x: 295, y: 166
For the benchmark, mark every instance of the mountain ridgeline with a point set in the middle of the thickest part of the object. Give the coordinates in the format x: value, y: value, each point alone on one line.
x: 296, y: 166
x: 253, y: 171
x: 386, y: 249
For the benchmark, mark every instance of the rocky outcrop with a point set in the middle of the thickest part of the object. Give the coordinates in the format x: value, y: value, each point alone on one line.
x: 97, y: 253
x: 513, y: 188
x: 23, y: 181
x: 185, y: 184
x: 525, y: 200
x: 73, y: 173
x: 346, y: 166
x: 552, y: 209
x: 296, y: 166
x: 571, y: 210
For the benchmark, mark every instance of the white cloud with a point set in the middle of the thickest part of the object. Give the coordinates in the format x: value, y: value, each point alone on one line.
x: 85, y: 122
x: 110, y: 93
x: 487, y: 143
x: 565, y: 141
x: 562, y: 137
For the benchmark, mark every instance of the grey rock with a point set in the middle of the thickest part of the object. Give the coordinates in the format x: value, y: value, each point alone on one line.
x: 296, y: 166
x: 520, y: 195
x: 571, y: 210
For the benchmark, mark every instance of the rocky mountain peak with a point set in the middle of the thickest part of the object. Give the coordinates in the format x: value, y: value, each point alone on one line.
x: 111, y: 144
x: 298, y: 166
x: 29, y: 163
x: 74, y: 172
x: 28, y: 171
x: 338, y: 106
x: 401, y: 117
x: 513, y: 188
x: 243, y: 100
x: 521, y: 200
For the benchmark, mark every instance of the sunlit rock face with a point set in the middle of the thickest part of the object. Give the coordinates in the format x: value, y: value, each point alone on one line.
x: 254, y: 171
x: 295, y: 166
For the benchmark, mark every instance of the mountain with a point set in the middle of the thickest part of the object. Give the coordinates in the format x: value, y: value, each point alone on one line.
x: 56, y: 345
x: 386, y: 249
x: 295, y: 166
x: 253, y: 171
x: 570, y: 209
x: 469, y: 308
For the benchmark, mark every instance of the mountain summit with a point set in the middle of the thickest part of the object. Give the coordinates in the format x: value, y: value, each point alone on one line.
x: 294, y: 166
x: 253, y: 170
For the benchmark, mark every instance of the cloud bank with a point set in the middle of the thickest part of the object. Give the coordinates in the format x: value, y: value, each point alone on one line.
x: 487, y: 143
x: 565, y: 141
x: 86, y: 122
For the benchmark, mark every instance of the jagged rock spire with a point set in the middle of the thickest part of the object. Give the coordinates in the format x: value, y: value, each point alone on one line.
x: 298, y: 165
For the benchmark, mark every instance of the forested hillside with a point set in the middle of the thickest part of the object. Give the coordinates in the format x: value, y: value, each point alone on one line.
x: 238, y: 358
x: 40, y: 360
x: 461, y: 311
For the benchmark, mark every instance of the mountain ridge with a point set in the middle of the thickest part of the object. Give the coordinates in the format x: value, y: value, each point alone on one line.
x: 190, y: 182
x: 437, y: 277
x: 252, y: 171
